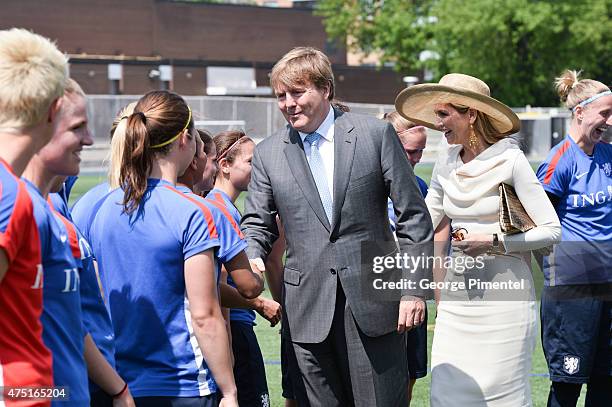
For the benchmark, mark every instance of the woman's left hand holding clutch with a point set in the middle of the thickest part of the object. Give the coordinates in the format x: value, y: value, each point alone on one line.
x: 476, y: 244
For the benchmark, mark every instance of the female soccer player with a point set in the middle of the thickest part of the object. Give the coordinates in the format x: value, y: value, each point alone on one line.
x: 155, y: 250
x: 576, y: 319
x: 34, y: 74
x: 232, y: 244
x: 62, y: 265
x: 234, y: 152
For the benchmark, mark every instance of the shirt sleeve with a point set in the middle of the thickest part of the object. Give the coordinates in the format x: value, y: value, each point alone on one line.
x: 435, y: 196
x: 16, y: 216
x: 231, y: 242
x: 200, y: 233
x: 537, y: 205
x: 555, y: 173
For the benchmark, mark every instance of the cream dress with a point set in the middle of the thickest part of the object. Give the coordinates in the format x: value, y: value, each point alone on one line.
x: 484, y: 338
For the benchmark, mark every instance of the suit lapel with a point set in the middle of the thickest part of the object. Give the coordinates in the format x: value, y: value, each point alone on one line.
x: 294, y: 152
x: 344, y: 152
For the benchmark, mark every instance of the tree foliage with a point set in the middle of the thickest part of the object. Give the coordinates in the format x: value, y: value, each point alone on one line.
x: 516, y: 46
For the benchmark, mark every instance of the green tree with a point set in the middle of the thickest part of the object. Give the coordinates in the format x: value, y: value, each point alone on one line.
x: 516, y: 46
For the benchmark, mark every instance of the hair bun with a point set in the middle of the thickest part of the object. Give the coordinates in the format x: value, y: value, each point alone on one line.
x: 566, y: 82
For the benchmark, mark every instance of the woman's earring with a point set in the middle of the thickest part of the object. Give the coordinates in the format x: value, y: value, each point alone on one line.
x: 473, y: 140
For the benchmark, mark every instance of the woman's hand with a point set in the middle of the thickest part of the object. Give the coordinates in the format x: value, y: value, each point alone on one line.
x: 474, y: 244
x: 125, y: 400
x: 228, y: 401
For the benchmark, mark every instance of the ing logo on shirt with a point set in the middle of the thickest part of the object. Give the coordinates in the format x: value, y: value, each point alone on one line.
x: 72, y: 280
x: 592, y: 199
x: 85, y: 249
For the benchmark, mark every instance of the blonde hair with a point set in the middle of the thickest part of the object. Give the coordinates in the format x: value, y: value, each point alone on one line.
x: 117, y: 134
x: 33, y: 73
x: 572, y: 90
x: 73, y: 88
x: 302, y: 65
x: 398, y: 122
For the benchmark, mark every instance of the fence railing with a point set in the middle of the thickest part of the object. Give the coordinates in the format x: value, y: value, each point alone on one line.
x: 260, y: 117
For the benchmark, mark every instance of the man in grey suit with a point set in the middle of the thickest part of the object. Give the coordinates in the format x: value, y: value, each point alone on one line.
x: 328, y: 176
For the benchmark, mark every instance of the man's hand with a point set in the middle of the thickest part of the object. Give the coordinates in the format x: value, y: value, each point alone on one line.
x: 411, y: 313
x: 269, y: 309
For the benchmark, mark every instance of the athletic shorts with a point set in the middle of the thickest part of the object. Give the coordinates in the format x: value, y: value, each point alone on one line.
x: 160, y: 401
x: 249, y: 370
x: 576, y: 335
x: 416, y: 350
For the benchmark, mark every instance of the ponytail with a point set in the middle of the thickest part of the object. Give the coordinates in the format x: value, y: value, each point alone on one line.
x: 117, y: 134
x: 136, y: 161
x: 573, y: 91
x: 159, y: 118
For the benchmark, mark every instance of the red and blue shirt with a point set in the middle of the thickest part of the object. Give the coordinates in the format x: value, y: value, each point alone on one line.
x: 25, y: 361
x: 95, y: 316
x: 583, y: 185
x: 61, y: 319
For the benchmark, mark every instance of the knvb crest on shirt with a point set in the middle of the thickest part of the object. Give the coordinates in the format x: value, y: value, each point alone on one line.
x: 571, y: 364
x: 607, y: 169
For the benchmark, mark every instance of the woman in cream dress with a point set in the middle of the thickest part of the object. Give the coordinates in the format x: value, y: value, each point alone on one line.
x: 484, y: 337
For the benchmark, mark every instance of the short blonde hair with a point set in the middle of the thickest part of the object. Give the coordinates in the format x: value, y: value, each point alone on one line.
x: 398, y: 122
x: 301, y: 65
x: 572, y: 90
x: 117, y: 144
x: 33, y: 73
x: 73, y: 88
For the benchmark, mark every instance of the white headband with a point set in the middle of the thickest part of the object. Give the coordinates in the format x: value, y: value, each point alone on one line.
x: 591, y: 99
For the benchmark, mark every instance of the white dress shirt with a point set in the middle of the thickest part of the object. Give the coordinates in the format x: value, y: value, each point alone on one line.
x: 326, y: 148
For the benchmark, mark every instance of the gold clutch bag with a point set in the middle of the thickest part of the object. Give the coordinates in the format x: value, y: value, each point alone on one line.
x: 512, y: 215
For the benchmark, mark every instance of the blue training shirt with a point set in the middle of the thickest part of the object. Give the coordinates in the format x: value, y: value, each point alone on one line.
x: 83, y: 208
x: 141, y: 259
x: 62, y: 321
x: 583, y: 185
x: 95, y: 316
x: 216, y: 195
x: 231, y: 239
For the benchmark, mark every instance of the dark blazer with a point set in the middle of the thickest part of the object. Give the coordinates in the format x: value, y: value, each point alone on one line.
x: 370, y: 165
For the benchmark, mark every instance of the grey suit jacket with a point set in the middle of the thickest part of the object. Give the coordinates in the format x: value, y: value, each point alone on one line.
x: 370, y: 165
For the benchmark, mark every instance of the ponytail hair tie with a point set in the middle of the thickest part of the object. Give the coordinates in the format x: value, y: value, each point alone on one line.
x: 143, y: 117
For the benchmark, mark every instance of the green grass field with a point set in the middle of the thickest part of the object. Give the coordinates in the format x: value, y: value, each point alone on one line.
x: 269, y: 338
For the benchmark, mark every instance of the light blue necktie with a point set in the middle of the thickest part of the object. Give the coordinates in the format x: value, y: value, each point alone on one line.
x: 317, y: 168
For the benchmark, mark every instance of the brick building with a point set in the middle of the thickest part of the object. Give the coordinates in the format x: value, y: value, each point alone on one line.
x: 130, y: 47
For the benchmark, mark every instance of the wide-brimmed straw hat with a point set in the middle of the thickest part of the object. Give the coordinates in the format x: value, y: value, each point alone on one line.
x: 417, y: 102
